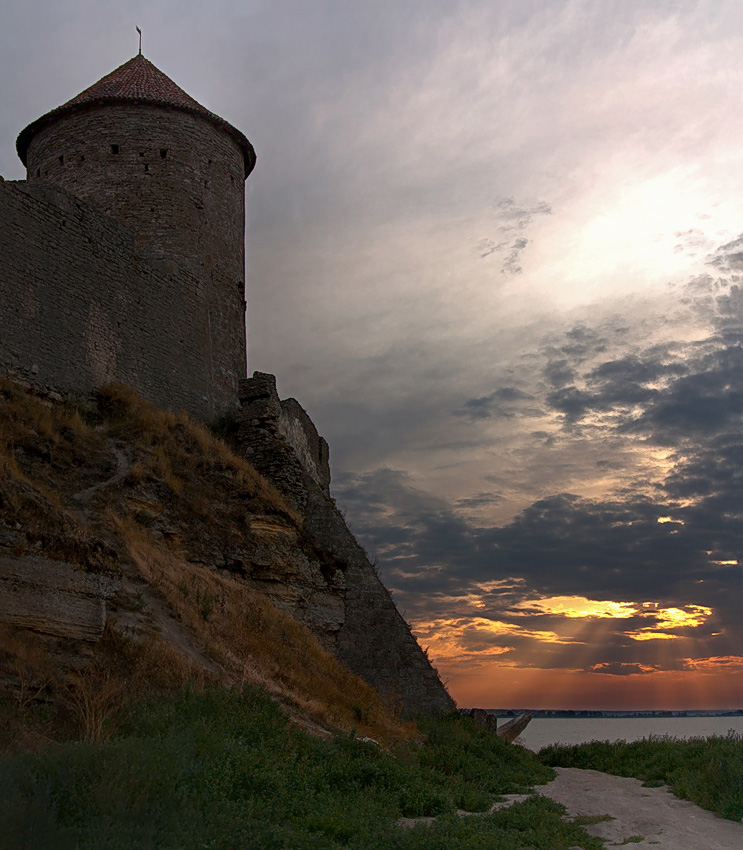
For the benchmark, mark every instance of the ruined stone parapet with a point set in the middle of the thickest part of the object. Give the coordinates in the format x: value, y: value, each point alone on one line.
x: 267, y: 418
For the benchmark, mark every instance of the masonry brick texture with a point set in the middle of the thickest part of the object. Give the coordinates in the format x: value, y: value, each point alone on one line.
x: 80, y: 307
x: 176, y: 182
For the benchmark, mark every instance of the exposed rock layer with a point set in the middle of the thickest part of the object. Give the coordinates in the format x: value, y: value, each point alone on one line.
x: 373, y: 640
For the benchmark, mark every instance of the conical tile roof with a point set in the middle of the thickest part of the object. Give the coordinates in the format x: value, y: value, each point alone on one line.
x: 136, y: 81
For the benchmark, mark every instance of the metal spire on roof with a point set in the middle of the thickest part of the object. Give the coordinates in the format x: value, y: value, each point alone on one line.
x: 140, y: 38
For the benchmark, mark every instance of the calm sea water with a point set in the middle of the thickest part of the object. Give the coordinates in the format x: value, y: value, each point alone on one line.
x: 547, y: 730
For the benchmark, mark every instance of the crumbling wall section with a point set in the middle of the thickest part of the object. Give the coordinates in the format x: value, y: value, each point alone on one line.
x: 269, y: 424
x: 374, y: 641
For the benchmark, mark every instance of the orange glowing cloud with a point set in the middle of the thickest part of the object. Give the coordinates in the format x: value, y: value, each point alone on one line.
x: 645, y: 634
x: 715, y: 662
x: 483, y: 657
x: 474, y: 639
x: 667, y: 619
x: 578, y: 607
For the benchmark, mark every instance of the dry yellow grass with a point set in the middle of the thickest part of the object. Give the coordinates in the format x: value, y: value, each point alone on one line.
x: 42, y: 427
x: 179, y: 452
x: 257, y: 643
x: 49, y: 453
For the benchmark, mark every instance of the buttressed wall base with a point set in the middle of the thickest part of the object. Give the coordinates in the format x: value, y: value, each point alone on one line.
x: 370, y: 637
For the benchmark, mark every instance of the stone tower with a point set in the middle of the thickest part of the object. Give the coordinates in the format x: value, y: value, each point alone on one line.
x: 141, y: 150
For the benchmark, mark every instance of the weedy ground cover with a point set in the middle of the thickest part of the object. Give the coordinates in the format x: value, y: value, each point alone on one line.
x: 707, y: 771
x: 222, y: 769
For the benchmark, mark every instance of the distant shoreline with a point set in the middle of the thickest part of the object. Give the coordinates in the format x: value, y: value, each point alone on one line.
x: 584, y: 713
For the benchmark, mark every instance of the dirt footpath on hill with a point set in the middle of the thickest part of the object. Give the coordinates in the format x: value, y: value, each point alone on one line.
x: 663, y: 821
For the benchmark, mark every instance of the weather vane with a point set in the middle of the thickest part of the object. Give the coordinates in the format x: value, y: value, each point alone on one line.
x: 140, y: 39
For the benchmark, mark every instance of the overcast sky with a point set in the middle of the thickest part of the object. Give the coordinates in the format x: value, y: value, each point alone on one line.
x: 494, y: 248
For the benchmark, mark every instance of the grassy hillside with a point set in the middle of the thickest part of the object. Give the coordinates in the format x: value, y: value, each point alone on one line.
x: 223, y: 769
x: 203, y: 715
x: 154, y: 500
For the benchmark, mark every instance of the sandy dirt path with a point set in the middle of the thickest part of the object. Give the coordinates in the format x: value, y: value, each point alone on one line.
x: 663, y: 821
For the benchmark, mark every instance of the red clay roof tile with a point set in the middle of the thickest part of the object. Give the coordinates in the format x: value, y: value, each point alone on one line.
x: 136, y: 81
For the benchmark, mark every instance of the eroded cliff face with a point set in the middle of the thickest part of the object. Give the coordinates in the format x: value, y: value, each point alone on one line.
x: 372, y: 639
x: 139, y: 523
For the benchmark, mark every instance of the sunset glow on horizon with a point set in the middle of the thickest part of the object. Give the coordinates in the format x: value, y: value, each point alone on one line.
x: 477, y: 656
x: 695, y: 688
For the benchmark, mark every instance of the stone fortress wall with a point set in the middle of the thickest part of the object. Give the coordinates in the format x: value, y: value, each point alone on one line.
x: 265, y: 418
x: 177, y: 183
x: 80, y: 307
x: 372, y: 638
x: 122, y: 259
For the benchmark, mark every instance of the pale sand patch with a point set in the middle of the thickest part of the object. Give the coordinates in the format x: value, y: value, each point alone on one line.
x: 663, y: 821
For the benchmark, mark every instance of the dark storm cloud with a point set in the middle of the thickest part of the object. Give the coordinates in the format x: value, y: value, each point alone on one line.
x: 582, y: 342
x: 558, y: 373
x: 698, y: 405
x: 573, y: 403
x: 668, y: 392
x: 729, y: 257
x: 618, y: 668
x: 480, y: 500
x: 500, y: 403
x: 607, y: 463
x: 714, y: 471
x: 559, y: 545
x: 686, y: 397
x: 729, y: 309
